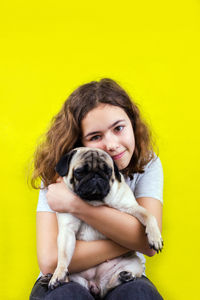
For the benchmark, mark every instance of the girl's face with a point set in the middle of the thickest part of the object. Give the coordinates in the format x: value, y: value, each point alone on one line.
x: 108, y: 127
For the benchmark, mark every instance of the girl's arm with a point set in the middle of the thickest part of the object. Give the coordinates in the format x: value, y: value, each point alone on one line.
x: 120, y: 227
x: 86, y: 255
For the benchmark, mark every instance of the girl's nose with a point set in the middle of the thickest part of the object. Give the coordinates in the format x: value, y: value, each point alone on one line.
x: 111, y: 144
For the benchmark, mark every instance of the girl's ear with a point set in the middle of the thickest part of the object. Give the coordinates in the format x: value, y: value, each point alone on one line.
x: 62, y: 167
x: 117, y: 173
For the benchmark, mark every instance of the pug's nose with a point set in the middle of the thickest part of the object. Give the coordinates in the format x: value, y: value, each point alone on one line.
x: 95, y: 178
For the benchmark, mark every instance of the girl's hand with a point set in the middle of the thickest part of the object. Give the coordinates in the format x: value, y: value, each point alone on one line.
x: 61, y: 199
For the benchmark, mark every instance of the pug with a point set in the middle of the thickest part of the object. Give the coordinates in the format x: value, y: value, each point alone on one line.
x: 93, y: 176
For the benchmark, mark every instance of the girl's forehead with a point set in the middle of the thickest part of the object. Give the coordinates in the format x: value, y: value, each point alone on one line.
x: 103, y: 117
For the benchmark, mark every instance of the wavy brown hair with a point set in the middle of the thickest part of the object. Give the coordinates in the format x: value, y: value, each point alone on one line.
x: 65, y: 129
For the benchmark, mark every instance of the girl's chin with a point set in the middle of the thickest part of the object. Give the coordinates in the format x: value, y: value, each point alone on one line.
x: 121, y: 166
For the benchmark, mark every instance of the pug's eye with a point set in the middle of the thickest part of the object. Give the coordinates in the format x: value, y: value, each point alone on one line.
x: 107, y: 170
x: 79, y: 173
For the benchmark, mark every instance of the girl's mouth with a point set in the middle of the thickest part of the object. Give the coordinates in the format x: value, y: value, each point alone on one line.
x: 118, y: 156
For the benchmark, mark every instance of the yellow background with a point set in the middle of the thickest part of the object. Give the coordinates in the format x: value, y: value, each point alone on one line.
x: 48, y: 48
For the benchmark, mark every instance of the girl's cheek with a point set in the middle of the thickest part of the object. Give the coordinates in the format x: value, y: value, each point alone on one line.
x: 90, y: 144
x: 87, y: 144
x: 98, y: 145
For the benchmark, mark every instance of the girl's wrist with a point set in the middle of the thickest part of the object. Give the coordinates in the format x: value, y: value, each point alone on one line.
x: 79, y: 206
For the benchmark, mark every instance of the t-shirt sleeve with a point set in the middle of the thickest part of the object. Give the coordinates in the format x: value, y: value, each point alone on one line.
x: 150, y: 183
x: 42, y: 202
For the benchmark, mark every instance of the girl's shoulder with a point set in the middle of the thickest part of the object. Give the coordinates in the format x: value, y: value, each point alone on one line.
x: 42, y: 201
x: 154, y: 164
x: 149, y: 183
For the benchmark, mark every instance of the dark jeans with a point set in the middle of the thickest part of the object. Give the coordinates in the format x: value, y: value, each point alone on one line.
x: 138, y: 289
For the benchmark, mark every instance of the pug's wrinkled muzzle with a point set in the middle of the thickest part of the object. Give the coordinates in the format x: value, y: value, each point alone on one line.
x: 92, y: 187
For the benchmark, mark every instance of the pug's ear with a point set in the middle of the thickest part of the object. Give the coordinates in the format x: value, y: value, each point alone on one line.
x: 117, y: 173
x: 62, y: 167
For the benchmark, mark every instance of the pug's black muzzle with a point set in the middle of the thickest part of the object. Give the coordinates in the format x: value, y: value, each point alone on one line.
x: 92, y: 187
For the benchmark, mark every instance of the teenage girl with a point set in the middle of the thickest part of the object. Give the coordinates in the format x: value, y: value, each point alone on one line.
x: 101, y: 115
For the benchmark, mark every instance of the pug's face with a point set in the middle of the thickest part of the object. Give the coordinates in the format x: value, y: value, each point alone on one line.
x: 89, y: 172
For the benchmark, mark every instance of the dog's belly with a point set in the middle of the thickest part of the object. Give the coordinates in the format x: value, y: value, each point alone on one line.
x: 121, y: 263
x: 106, y: 275
x: 99, y: 272
x: 88, y: 233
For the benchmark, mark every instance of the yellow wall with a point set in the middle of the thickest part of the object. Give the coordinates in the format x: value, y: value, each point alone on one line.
x: 48, y: 48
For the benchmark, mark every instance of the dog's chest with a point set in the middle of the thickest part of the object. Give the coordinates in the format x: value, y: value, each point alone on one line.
x: 87, y: 233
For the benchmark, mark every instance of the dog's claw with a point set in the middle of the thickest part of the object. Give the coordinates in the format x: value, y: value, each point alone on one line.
x: 158, y: 247
x: 154, y: 236
x: 55, y: 284
x: 57, y: 281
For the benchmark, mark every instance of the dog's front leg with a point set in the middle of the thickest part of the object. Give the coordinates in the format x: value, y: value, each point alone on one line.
x: 149, y: 221
x: 68, y: 226
x: 125, y: 201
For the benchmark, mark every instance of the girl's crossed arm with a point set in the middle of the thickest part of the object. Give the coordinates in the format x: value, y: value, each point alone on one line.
x: 86, y: 255
x: 124, y: 231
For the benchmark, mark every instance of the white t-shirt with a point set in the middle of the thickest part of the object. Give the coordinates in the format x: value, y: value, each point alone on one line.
x: 147, y: 184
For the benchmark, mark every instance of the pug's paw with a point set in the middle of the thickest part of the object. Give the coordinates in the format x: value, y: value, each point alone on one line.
x: 153, y: 234
x: 59, y: 277
x: 126, y: 276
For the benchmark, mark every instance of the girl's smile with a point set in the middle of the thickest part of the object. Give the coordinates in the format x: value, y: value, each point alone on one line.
x: 108, y: 127
x: 118, y: 156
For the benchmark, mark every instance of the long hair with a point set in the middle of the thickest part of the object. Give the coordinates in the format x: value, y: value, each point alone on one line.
x: 65, y: 129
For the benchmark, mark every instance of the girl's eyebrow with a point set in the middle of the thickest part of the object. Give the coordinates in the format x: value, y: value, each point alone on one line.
x: 96, y: 132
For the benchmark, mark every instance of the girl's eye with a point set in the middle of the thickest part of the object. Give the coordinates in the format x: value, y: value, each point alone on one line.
x: 119, y: 128
x: 95, y: 138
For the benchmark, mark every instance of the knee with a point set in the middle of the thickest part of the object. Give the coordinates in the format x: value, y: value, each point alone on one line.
x: 144, y: 289
x: 69, y: 290
x: 141, y: 289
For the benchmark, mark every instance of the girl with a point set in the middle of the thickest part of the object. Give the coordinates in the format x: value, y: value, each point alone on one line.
x: 101, y: 115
